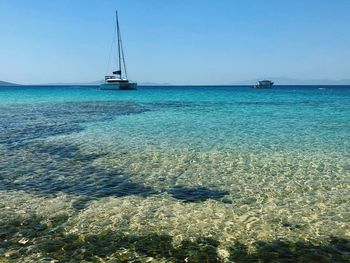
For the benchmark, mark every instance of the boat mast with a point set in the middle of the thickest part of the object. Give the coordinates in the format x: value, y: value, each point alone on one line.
x: 119, y: 46
x: 123, y: 58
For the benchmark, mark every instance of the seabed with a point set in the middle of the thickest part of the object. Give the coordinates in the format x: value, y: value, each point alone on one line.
x: 136, y: 178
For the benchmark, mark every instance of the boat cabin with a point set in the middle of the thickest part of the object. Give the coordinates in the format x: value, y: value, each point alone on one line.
x: 110, y: 79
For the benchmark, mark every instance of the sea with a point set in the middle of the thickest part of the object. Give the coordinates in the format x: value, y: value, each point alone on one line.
x: 175, y: 174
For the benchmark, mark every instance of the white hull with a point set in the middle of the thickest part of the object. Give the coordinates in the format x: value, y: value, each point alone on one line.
x: 118, y: 86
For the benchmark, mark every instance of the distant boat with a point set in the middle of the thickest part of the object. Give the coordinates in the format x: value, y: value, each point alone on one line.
x: 263, y: 84
x: 119, y: 80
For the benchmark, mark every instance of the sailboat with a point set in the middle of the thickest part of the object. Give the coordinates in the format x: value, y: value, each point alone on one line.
x: 119, y: 79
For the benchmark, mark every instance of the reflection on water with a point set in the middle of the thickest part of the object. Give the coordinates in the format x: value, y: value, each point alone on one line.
x: 200, y: 181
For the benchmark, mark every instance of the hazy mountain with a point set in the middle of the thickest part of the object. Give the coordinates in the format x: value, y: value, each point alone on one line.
x: 154, y: 84
x: 92, y: 83
x: 4, y: 83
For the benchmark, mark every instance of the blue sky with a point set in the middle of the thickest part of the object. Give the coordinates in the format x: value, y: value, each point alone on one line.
x: 175, y: 41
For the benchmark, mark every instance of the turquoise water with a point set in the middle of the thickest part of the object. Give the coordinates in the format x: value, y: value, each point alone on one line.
x: 168, y: 173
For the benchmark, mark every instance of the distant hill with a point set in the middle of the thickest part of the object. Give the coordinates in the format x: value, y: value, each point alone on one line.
x: 154, y: 84
x: 92, y: 83
x: 4, y: 83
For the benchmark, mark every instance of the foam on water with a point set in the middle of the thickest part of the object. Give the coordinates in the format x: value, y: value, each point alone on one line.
x: 168, y: 174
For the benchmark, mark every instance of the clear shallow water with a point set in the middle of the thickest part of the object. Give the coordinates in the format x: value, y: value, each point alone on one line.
x: 169, y: 173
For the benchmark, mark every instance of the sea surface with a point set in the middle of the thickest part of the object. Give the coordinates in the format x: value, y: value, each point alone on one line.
x: 175, y: 174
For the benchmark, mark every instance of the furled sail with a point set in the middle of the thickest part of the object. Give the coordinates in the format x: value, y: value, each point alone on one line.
x: 117, y: 72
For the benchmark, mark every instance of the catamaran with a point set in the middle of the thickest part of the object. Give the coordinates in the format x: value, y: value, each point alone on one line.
x: 119, y: 79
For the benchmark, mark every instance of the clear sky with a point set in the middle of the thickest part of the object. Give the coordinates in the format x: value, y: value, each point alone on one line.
x: 175, y: 41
